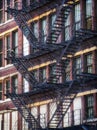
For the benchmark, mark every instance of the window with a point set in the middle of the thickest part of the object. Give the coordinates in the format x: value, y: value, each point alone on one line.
x: 14, y: 84
x: 15, y: 42
x: 88, y: 63
x: 7, y: 48
x: 67, y: 73
x: 7, y: 15
x: 89, y: 106
x: 1, y: 11
x: 7, y: 86
x: 25, y: 46
x: 52, y: 20
x: 67, y: 29
x: 77, y: 66
x: 1, y: 52
x: 77, y: 16
x: 35, y: 72
x: 89, y: 13
x: 52, y: 72
x: 42, y: 74
x: 25, y: 85
x: 0, y: 91
x: 6, y: 121
x: 43, y: 30
x: 35, y: 30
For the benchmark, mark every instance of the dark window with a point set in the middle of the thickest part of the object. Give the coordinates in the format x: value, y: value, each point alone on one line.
x: 1, y: 11
x: 43, y: 30
x: 1, y: 53
x: 88, y: 63
x: 35, y: 73
x: 89, y: 106
x: 7, y: 86
x: 15, y: 42
x: 67, y: 29
x: 14, y: 83
x: 7, y: 48
x: 77, y: 65
x: 7, y: 15
x: 0, y: 91
x: 42, y: 74
x: 67, y: 73
x: 89, y: 13
x: 51, y: 23
x: 77, y: 16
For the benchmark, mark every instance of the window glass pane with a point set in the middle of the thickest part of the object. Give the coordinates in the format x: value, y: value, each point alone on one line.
x: 77, y: 16
x: 88, y: 8
x: 7, y: 48
x: 14, y: 84
x: 0, y: 91
x: 25, y: 46
x: 15, y: 41
x: 43, y: 30
x: 7, y: 86
x: 89, y: 61
x: 1, y: 4
x: 67, y: 29
x: 89, y: 106
x: 78, y: 65
x: 42, y: 74
x: 7, y: 121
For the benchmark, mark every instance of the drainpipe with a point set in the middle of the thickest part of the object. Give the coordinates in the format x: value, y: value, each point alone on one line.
x: 84, y: 127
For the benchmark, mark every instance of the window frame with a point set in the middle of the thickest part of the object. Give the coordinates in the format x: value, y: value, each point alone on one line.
x: 89, y: 106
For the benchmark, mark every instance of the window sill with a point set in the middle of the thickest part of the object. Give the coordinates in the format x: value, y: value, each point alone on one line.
x: 1, y: 24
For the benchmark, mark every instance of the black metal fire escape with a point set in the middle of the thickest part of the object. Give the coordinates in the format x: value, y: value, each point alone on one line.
x: 70, y: 47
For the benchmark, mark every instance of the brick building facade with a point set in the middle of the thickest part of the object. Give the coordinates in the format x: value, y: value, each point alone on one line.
x: 40, y: 18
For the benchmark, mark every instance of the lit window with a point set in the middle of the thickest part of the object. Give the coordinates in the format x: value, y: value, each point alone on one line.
x: 89, y: 13
x: 1, y: 11
x: 89, y: 62
x: 1, y: 53
x: 0, y: 91
x: 77, y: 16
x: 14, y: 84
x: 77, y: 66
x: 42, y: 75
x: 89, y: 106
x: 15, y: 42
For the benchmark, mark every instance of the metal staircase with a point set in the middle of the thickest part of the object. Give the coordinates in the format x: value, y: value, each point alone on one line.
x: 72, y: 46
x: 64, y: 102
x: 22, y: 67
x: 66, y: 97
x: 59, y: 24
x: 21, y: 105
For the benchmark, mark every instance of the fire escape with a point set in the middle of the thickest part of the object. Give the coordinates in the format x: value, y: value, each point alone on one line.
x: 65, y: 92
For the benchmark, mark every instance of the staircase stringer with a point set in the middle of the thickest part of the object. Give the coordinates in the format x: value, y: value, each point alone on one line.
x: 29, y: 76
x: 59, y: 23
x: 63, y: 97
x: 23, y: 25
x: 21, y: 106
